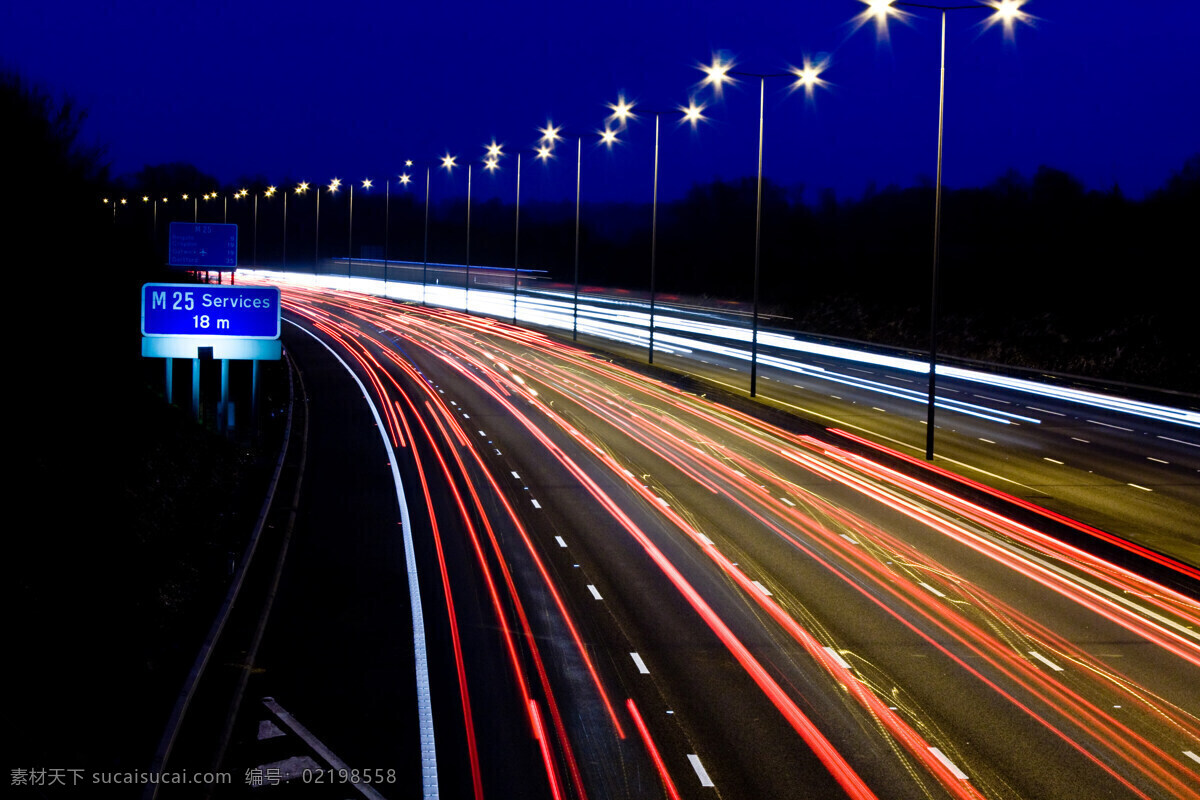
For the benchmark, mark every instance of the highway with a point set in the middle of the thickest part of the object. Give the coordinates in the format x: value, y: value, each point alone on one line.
x: 630, y: 590
x: 1130, y: 467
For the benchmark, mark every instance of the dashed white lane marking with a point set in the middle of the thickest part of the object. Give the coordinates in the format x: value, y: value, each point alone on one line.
x: 989, y: 441
x: 706, y: 540
x: 641, y: 665
x: 1045, y: 661
x: 561, y: 541
x: 930, y: 588
x: 1044, y: 411
x: 836, y: 656
x: 1077, y: 439
x: 762, y: 588
x: 848, y: 539
x: 701, y: 772
x: 1106, y: 425
x: 466, y: 416
x: 515, y: 475
x: 536, y: 504
x: 595, y: 592
x: 1143, y: 488
x: 481, y: 433
x: 1179, y: 441
x: 1052, y: 460
x: 1192, y: 756
x: 789, y: 502
x: 950, y: 765
x: 1159, y: 460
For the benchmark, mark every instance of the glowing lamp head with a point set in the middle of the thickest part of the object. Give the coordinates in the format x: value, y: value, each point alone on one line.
x: 122, y: 201
x: 494, y: 151
x: 145, y: 198
x: 1007, y: 12
x: 270, y: 192
x: 693, y: 113
x: 608, y: 137
x: 366, y: 184
x: 544, y: 152
x: 185, y: 197
x: 879, y: 9
x: 302, y: 188
x: 408, y: 163
x: 449, y: 162
x: 622, y: 110
x: 717, y: 74
x: 491, y: 164
x: 334, y: 185
x: 405, y: 179
x: 808, y: 77
x: 550, y: 133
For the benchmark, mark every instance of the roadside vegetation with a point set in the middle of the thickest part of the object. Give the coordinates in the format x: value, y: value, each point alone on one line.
x: 125, y: 514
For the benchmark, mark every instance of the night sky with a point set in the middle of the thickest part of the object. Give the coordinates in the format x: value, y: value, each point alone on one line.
x: 1108, y: 91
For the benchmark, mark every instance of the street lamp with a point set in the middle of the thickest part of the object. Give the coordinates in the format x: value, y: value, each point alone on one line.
x: 449, y: 162
x: 1003, y: 11
x: 406, y: 179
x: 366, y: 184
x: 268, y: 192
x: 806, y: 77
x: 550, y: 136
x: 301, y: 188
x: 333, y: 188
x: 494, y: 153
x: 623, y: 111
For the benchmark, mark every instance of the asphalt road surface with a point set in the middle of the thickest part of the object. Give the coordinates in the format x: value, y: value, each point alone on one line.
x: 630, y: 590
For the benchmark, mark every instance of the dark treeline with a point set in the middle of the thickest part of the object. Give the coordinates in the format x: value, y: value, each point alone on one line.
x: 1035, y: 271
x: 132, y: 511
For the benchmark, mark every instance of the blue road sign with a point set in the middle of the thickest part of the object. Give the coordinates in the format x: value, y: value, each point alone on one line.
x: 190, y: 310
x: 203, y: 245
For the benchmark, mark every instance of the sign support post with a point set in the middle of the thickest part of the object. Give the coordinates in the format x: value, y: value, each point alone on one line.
x: 206, y: 322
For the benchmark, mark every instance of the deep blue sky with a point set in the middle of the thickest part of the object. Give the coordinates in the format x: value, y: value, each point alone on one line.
x: 1109, y: 91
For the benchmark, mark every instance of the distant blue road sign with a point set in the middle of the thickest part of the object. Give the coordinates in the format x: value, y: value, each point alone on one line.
x: 207, y: 245
x: 190, y: 310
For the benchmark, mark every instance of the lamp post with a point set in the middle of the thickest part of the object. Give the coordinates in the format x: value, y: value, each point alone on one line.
x: 301, y: 188
x: 717, y: 74
x: 494, y: 153
x: 450, y: 162
x: 366, y: 184
x: 405, y: 179
x: 387, y: 216
x: 240, y: 194
x: 333, y: 188
x: 517, y: 241
x: 268, y: 192
x: 551, y: 135
x: 623, y: 111
x: 1007, y: 12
